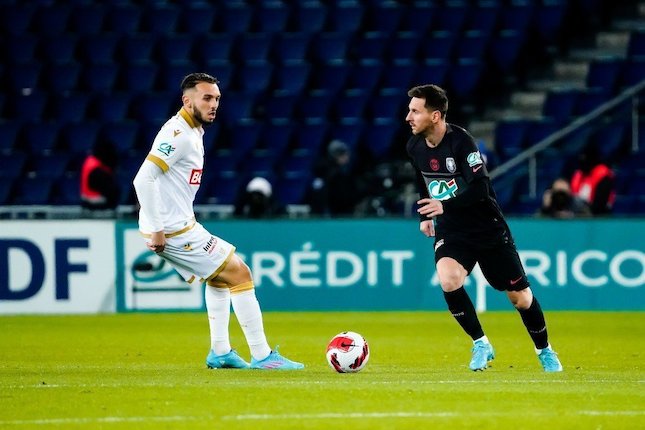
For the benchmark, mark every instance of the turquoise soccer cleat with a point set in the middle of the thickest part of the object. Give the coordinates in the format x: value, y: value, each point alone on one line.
x: 549, y: 360
x: 482, y: 354
x: 227, y: 361
x: 275, y: 361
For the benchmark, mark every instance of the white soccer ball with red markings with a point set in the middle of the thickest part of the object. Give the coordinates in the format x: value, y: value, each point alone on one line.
x: 348, y: 352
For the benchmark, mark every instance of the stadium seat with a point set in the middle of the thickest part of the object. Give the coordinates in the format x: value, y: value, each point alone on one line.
x: 87, y: 19
x: 60, y: 49
x: 123, y: 18
x: 52, y: 20
x: 223, y: 189
x: 506, y: 48
x: 41, y: 137
x: 291, y: 47
x: 254, y: 78
x: 291, y: 78
x: 315, y: 106
x: 32, y: 191
x: 12, y: 165
x: 349, y: 130
x: 608, y: 139
x: 214, y: 47
x: 98, y: 48
x: 31, y: 107
x: 364, y: 76
x: 173, y: 48
x: 291, y: 189
x: 404, y: 46
x: 439, y: 46
x: 197, y: 18
x: 171, y: 75
x: 538, y: 130
x: 309, y: 138
x: 136, y: 48
x: 559, y: 105
x: 69, y: 107
x: 510, y: 137
x: 589, y: 100
x: 99, y: 77
x: 234, y: 18
x: 23, y: 76
x: 329, y: 77
x: 636, y: 46
x: 138, y: 77
x: 79, y: 138
x: 224, y: 72
x: 261, y: 163
x: 433, y: 71
x: 383, y: 17
x: 379, y: 138
x: 604, y: 73
x: 66, y: 190
x: 270, y: 17
x: 517, y: 16
x: 62, y: 78
x: 329, y: 47
x: 279, y: 107
x: 345, y: 16
x: 464, y: 77
x: 387, y: 106
x: 309, y: 17
x: 419, y: 18
x: 452, y: 16
x: 547, y: 20
x: 9, y: 132
x: 398, y: 77
x: 235, y: 107
x: 472, y: 44
x: 160, y: 19
x: 111, y: 107
x: 49, y: 166
x: 20, y: 48
x: 155, y: 107
x: 17, y: 19
x: 277, y: 137
x: 122, y: 135
x: 633, y: 72
x: 350, y: 104
x: 5, y: 191
x: 253, y: 47
x: 369, y: 46
x: 483, y: 17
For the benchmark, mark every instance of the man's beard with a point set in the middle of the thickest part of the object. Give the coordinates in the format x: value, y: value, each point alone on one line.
x: 198, y: 117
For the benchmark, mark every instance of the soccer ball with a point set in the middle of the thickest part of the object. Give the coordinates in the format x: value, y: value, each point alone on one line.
x: 348, y: 352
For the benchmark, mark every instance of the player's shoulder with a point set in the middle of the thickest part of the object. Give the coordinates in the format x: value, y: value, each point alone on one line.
x: 413, y: 142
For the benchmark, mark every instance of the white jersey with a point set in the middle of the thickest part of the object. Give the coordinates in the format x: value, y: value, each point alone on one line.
x: 178, y: 150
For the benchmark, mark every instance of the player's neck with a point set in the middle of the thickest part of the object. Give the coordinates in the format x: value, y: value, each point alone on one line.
x: 434, y: 138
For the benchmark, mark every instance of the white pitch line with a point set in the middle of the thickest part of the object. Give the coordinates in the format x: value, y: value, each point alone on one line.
x: 49, y: 421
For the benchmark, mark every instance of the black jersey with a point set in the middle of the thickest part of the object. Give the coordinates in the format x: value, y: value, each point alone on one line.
x: 455, y: 173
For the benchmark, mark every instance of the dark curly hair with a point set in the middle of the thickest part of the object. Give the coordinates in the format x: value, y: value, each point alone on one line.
x: 191, y: 80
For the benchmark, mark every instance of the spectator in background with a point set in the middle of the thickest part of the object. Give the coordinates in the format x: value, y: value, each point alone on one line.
x: 257, y: 200
x: 593, y: 182
x: 99, y: 187
x: 558, y: 202
x: 335, y: 190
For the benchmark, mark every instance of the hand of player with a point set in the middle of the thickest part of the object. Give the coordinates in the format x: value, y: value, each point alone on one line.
x: 427, y: 228
x: 157, y: 242
x: 430, y: 207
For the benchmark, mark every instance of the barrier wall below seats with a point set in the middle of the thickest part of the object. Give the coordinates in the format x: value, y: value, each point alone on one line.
x: 89, y: 266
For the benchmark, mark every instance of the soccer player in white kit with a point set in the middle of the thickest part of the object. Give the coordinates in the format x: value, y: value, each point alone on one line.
x: 166, y: 185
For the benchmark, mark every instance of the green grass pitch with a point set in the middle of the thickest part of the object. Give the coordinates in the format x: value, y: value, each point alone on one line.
x: 147, y: 371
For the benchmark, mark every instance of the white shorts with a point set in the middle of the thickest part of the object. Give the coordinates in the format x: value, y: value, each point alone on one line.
x: 197, y: 254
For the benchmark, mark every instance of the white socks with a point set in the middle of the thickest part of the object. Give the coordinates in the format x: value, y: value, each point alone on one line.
x: 483, y: 339
x: 218, y: 306
x: 248, y: 313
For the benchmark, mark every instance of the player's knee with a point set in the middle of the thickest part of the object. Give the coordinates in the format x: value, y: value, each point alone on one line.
x: 521, y: 299
x: 451, y: 282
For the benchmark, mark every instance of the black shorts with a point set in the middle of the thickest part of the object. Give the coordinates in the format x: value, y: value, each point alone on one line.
x: 498, y: 259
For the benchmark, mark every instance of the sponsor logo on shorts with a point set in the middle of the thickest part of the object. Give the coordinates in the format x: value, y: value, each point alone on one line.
x: 438, y: 244
x: 210, y: 245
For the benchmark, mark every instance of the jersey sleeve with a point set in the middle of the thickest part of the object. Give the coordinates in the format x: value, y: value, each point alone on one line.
x: 168, y: 148
x: 472, y: 163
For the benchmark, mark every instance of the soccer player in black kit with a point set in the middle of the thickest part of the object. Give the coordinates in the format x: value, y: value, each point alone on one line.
x: 468, y: 227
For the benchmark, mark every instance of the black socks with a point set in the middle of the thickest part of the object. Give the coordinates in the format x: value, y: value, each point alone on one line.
x: 463, y: 310
x: 533, y: 319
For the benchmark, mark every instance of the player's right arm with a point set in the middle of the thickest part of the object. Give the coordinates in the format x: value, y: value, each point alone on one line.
x: 145, y: 185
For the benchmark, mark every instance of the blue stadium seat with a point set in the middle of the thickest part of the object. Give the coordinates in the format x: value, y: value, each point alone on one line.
x: 383, y: 17
x: 12, y: 165
x: 292, y: 78
x: 173, y: 48
x: 278, y: 137
x: 50, y: 166
x: 608, y: 139
x: 79, y: 138
x: 160, y: 19
x: 280, y: 107
x: 270, y: 17
x: 253, y: 47
x: 247, y: 136
x: 345, y: 16
x: 138, y: 77
x: 66, y: 190
x: 508, y: 45
x: 41, y: 137
x: 87, y: 19
x: 99, y: 77
x: 472, y: 44
x: 111, y: 107
x: 364, y: 76
x: 70, y: 107
x: 17, y: 19
x: 234, y: 18
x: 223, y: 189
x: 309, y: 138
x: 329, y: 77
x: 510, y: 137
x: 309, y: 17
x: 398, y: 77
x: 517, y: 16
x: 5, y: 191
x: 254, y: 78
x: 31, y: 107
x: 604, y: 73
x: 32, y: 191
x: 387, y: 106
x: 433, y: 71
x: 98, y: 48
x: 136, y: 48
x: 419, y: 18
x: 214, y: 47
x: 20, y: 48
x: 636, y: 46
x: 235, y: 107
x: 197, y: 18
x: 404, y: 46
x: 633, y: 72
x: 589, y: 100
x: 9, y: 132
x: 538, y: 130
x: 380, y: 137
x: 452, y: 16
x: 349, y: 131
x: 261, y: 163
x: 291, y: 47
x: 123, y: 18
x: 559, y: 105
x: 171, y: 75
x: 52, y: 20
x: 315, y: 106
x: 548, y: 19
x: 62, y: 78
x: 440, y: 45
x: 223, y: 72
x: 329, y: 47
x: 351, y: 104
x: 155, y: 107
x: 60, y: 49
x: 483, y: 17
x: 369, y: 46
x: 122, y: 135
x: 24, y: 75
x: 291, y: 189
x: 464, y: 77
